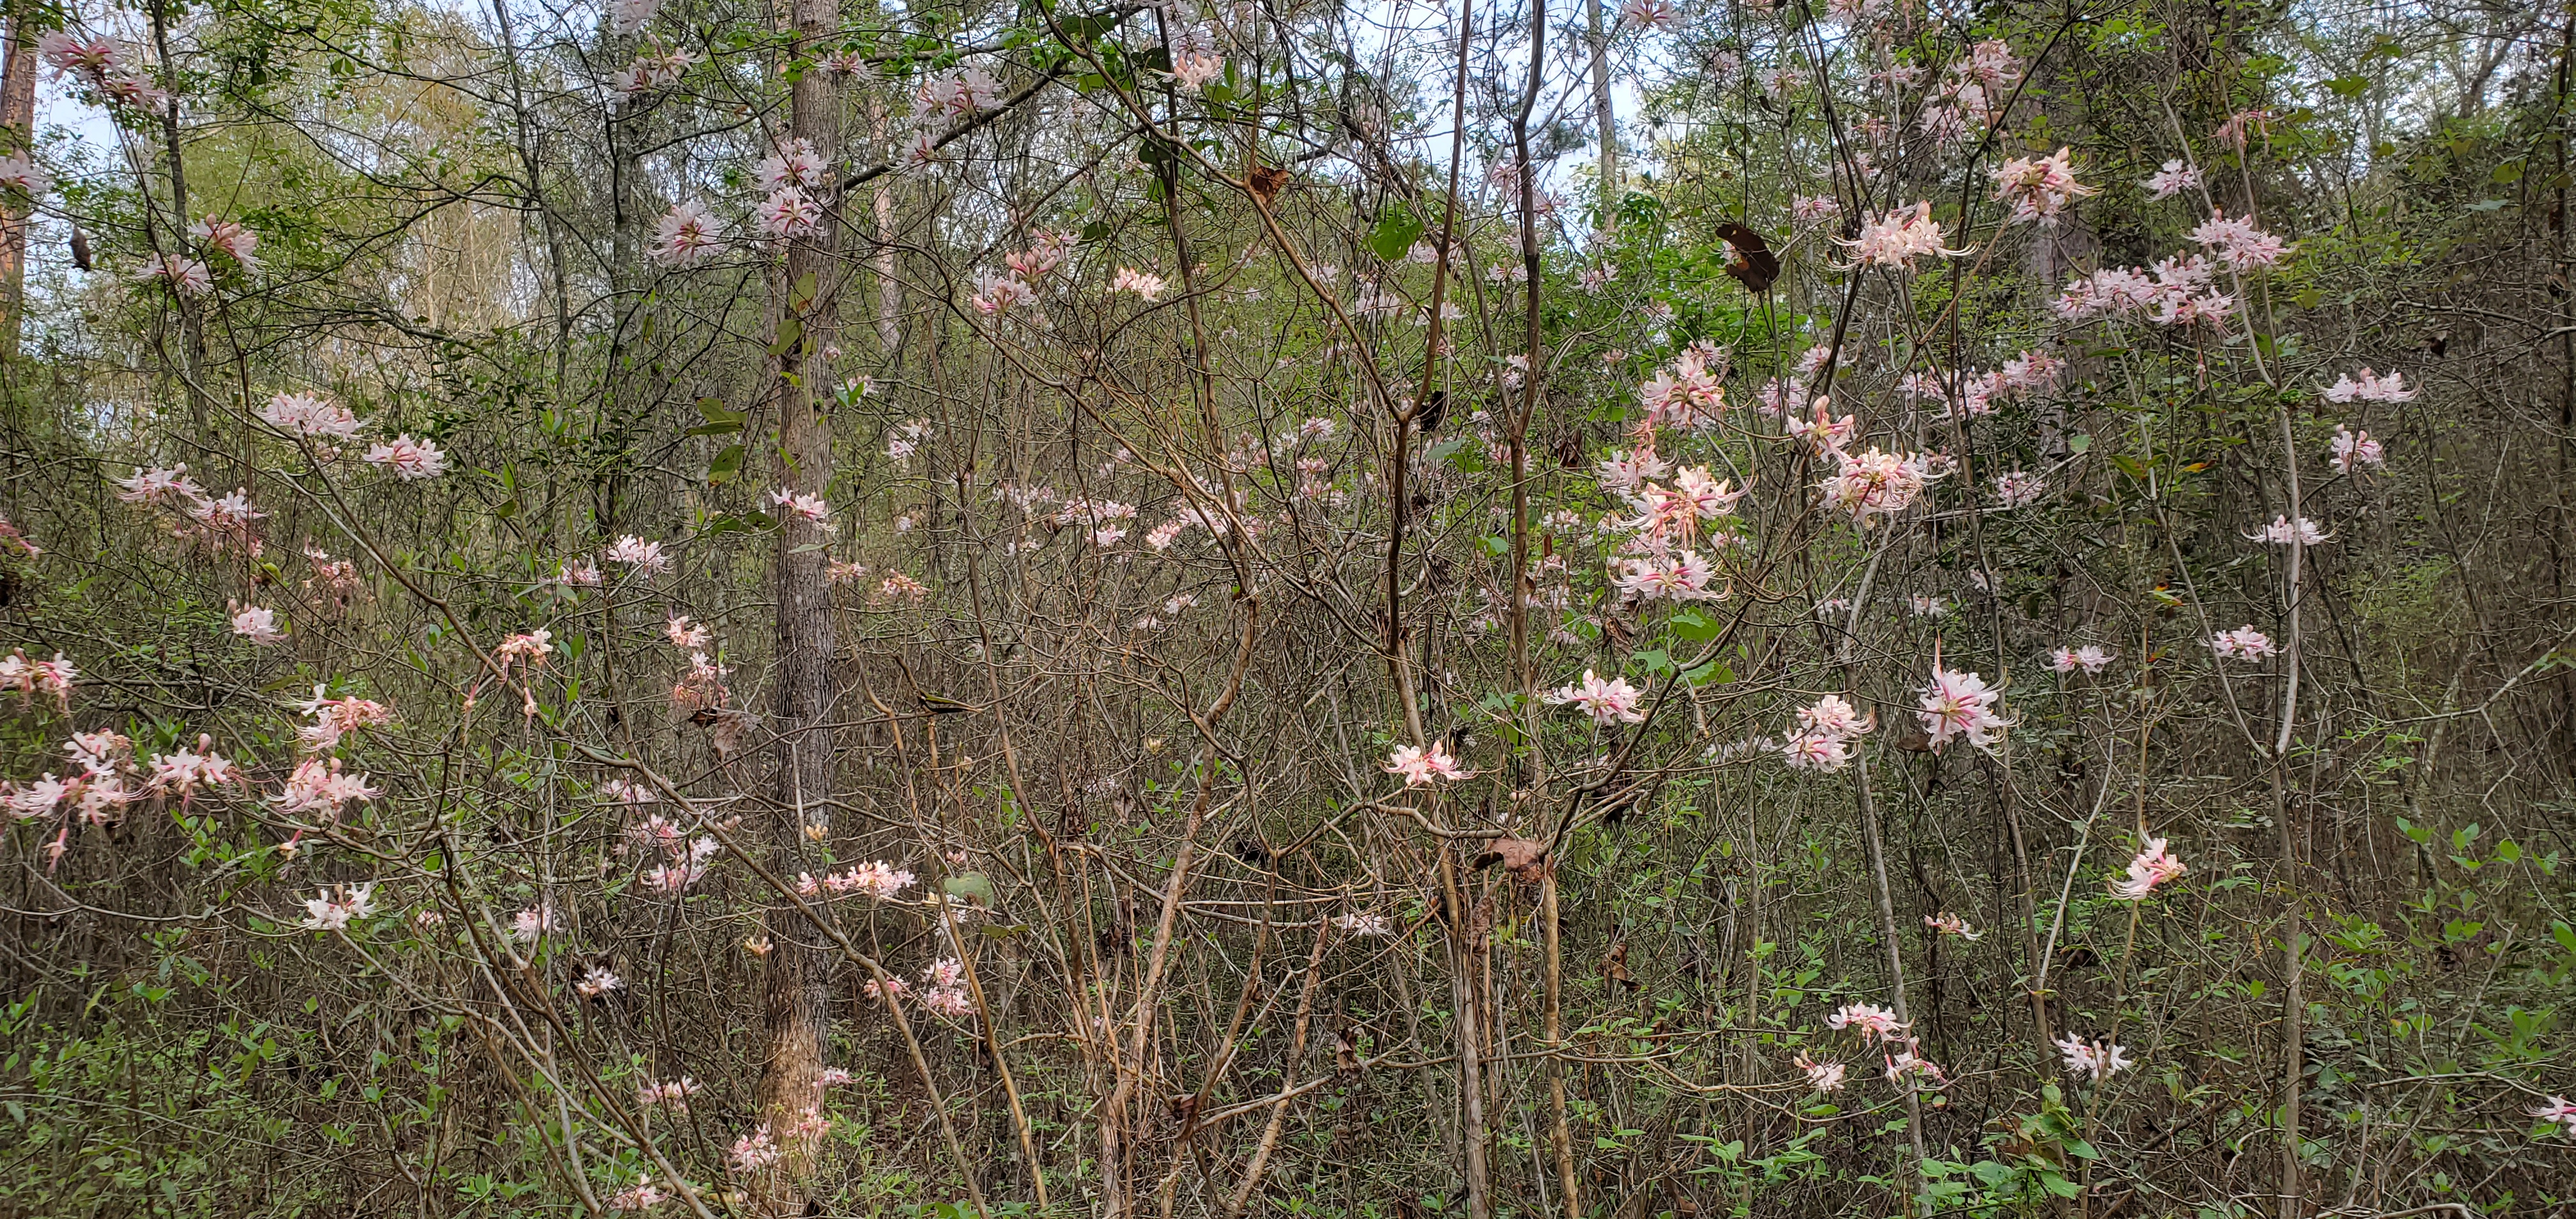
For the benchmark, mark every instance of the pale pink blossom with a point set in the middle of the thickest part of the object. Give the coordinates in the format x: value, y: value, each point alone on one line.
x: 186, y: 276
x: 1821, y: 1076
x: 1946, y: 923
x: 1897, y: 238
x: 168, y: 486
x: 597, y: 982
x: 1817, y: 751
x: 2174, y: 178
x: 803, y: 506
x: 2283, y: 531
x: 2091, y: 658
x: 795, y: 165
x: 1363, y: 924
x: 2039, y: 188
x: 2560, y: 1110
x: 258, y: 624
x: 229, y: 238
x: 1420, y: 767
x: 531, y: 647
x: 668, y: 1094
x: 685, y: 235
x: 752, y: 1152
x: 1908, y: 1065
x: 319, y: 786
x: 998, y: 294
x: 2243, y: 643
x: 408, y: 458
x: 628, y: 16
x: 310, y: 415
x: 1607, y: 702
x: 1877, y: 483
x: 2370, y: 387
x: 2018, y: 489
x: 535, y: 922
x: 336, y: 908
x: 1836, y: 715
x: 645, y: 557
x: 788, y: 212
x: 2238, y: 243
x: 684, y: 634
x: 1869, y: 1020
x: 70, y: 54
x: 958, y: 94
x: 31, y: 679
x: 334, y: 718
x: 2094, y: 1057
x: 1129, y: 279
x: 2352, y: 452
x: 19, y: 172
x: 2152, y: 866
x: 1960, y: 706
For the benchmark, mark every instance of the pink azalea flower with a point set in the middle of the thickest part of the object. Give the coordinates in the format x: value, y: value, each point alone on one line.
x: 1420, y: 767
x: 685, y: 235
x: 1896, y: 239
x: 2095, y: 1058
x: 1959, y: 706
x: 257, y: 624
x: 1607, y: 702
x: 408, y: 458
x: 2152, y: 866
x: 1869, y: 1020
x: 2172, y: 179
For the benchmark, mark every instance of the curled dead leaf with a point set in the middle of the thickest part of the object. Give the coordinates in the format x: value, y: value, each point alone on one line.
x: 1752, y: 263
x: 1525, y: 858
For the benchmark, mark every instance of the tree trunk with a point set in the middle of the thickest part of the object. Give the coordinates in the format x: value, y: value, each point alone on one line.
x: 18, y: 117
x: 1604, y: 113
x: 795, y: 1000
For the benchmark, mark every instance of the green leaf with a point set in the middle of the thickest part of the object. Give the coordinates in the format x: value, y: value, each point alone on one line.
x: 789, y: 330
x: 1395, y: 233
x: 727, y: 464
x: 973, y: 886
x: 2349, y: 86
x: 1694, y: 625
x: 719, y: 420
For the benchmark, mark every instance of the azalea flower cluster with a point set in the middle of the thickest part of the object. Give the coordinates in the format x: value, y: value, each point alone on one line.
x: 338, y: 907
x: 876, y: 879
x: 2039, y: 188
x: 1960, y: 706
x: 2027, y: 374
x: 658, y: 69
x: 2243, y: 643
x: 1421, y: 767
x: 1689, y: 392
x: 2152, y: 866
x: 1895, y: 239
x: 231, y: 521
x: 2092, y: 658
x: 1904, y: 1057
x: 1876, y: 483
x: 1607, y: 702
x: 946, y: 992
x: 2096, y: 1058
x: 109, y: 65
x: 33, y: 679
x: 2175, y: 291
x: 1827, y: 733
